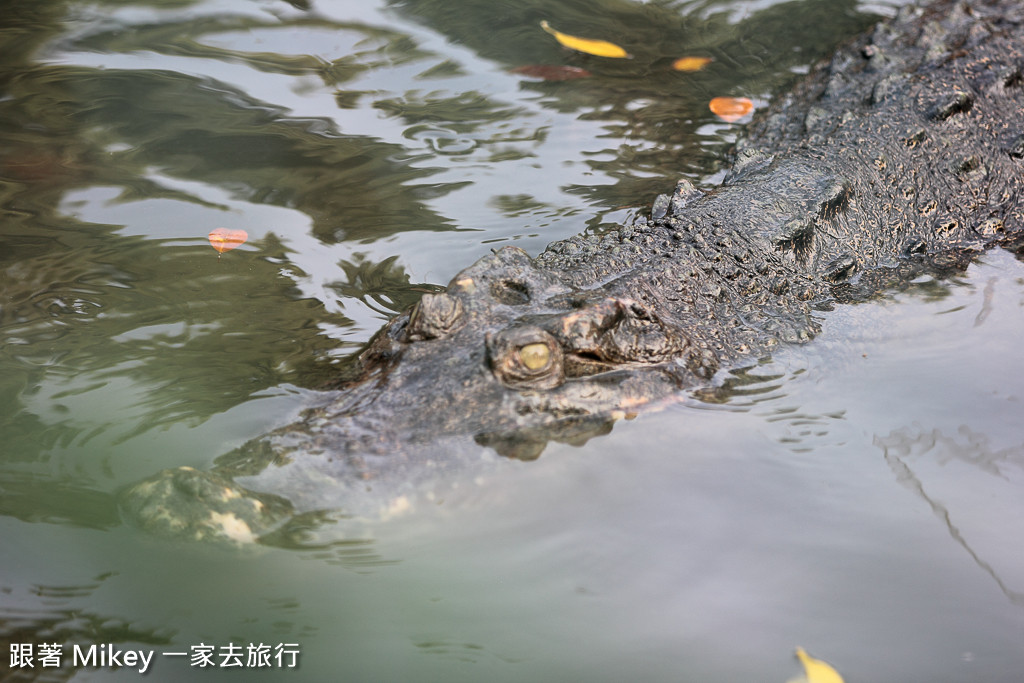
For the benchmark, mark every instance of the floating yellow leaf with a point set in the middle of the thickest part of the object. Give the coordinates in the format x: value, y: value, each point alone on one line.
x: 599, y: 48
x: 731, y: 108
x: 817, y: 671
x: 223, y: 239
x: 691, y: 63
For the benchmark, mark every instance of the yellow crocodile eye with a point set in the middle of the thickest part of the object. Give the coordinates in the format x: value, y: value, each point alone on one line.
x: 525, y: 357
x: 535, y: 356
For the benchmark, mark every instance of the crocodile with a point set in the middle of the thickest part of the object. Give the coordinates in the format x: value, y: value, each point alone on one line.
x: 902, y: 154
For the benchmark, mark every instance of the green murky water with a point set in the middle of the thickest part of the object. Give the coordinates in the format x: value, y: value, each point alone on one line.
x: 860, y: 497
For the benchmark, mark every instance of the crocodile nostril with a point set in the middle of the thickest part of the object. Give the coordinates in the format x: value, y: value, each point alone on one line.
x: 510, y: 292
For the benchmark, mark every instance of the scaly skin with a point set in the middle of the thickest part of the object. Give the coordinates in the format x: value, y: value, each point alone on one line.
x: 903, y: 154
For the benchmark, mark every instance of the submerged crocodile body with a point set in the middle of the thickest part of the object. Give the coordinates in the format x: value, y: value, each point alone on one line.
x: 901, y: 155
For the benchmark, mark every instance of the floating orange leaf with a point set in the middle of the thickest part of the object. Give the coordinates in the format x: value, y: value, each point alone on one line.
x: 691, y: 63
x: 599, y: 48
x: 223, y: 239
x: 551, y: 72
x: 731, y: 108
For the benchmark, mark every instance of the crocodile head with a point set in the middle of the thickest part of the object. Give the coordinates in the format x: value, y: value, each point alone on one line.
x: 513, y: 356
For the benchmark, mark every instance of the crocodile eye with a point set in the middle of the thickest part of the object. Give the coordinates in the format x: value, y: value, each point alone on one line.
x: 525, y: 357
x: 535, y: 356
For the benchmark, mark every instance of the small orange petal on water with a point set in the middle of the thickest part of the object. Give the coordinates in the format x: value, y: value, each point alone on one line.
x: 223, y: 239
x: 691, y: 63
x: 731, y: 108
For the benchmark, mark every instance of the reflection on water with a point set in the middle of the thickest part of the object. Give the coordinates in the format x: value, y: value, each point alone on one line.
x: 902, y: 448
x: 43, y: 613
x: 370, y: 150
x: 39, y: 498
x: 741, y: 388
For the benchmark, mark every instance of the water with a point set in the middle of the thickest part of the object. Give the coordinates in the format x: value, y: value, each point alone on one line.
x: 859, y: 496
